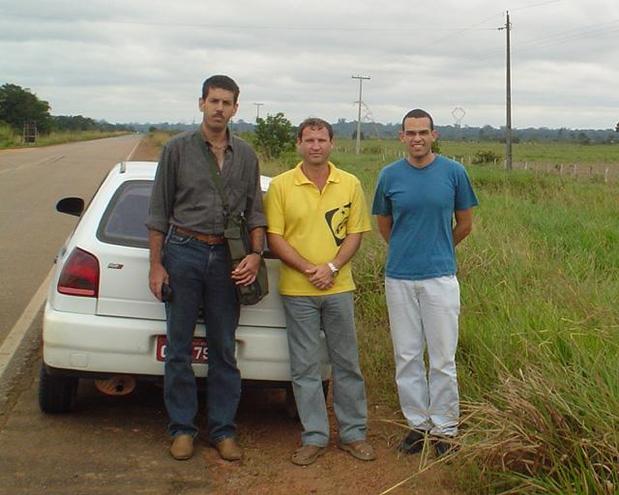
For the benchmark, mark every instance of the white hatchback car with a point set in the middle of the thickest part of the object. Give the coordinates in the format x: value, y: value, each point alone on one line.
x: 101, y: 321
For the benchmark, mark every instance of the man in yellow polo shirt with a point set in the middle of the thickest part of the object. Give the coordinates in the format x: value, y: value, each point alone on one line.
x: 316, y: 215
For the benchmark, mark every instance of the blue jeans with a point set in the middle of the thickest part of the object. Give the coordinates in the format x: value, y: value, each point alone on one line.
x: 200, y: 275
x: 305, y: 316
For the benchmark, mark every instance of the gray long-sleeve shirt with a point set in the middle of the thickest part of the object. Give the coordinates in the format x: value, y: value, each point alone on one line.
x: 184, y: 193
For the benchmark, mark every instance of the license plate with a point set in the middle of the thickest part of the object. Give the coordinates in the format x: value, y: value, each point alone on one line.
x: 199, y: 350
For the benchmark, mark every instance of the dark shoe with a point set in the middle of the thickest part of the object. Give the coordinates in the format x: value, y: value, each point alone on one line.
x: 361, y: 450
x: 307, y: 455
x: 413, y: 442
x: 182, y: 447
x: 228, y: 449
x: 445, y: 446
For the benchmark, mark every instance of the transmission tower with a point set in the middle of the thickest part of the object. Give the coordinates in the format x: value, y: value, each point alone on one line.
x: 358, y: 143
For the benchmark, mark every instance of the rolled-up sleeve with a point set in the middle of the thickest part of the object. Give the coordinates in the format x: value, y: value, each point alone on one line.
x: 162, y: 197
x: 254, y: 212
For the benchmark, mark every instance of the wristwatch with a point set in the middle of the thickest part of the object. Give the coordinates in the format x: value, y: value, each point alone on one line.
x: 334, y: 269
x: 259, y: 253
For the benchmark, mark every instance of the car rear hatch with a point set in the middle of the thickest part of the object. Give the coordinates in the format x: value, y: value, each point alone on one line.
x: 123, y: 260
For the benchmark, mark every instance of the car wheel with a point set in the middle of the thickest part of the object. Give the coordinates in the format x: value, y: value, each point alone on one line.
x: 56, y: 393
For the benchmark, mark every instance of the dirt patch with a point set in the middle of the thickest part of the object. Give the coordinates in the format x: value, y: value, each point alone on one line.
x: 111, y: 445
x: 270, y: 439
x: 147, y: 150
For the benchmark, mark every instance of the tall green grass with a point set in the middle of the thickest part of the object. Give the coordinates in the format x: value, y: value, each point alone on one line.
x: 10, y: 139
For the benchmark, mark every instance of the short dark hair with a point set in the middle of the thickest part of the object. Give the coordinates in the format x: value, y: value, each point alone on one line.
x: 317, y: 123
x: 418, y: 113
x: 221, y: 82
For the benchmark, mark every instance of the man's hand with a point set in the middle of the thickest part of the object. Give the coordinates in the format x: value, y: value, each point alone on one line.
x: 156, y: 278
x: 246, y: 271
x: 320, y: 276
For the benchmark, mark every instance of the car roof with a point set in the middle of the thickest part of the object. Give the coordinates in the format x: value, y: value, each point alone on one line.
x: 136, y: 170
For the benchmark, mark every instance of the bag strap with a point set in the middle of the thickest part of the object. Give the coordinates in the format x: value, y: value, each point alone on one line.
x: 213, y: 169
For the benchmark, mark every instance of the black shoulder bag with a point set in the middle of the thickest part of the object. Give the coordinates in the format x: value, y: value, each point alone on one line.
x: 237, y: 237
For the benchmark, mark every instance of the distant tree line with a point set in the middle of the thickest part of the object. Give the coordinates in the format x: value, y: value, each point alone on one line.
x: 347, y: 129
x: 19, y: 105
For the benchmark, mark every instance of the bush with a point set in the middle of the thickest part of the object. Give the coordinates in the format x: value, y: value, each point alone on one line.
x: 274, y: 135
x: 484, y: 156
x: 7, y: 136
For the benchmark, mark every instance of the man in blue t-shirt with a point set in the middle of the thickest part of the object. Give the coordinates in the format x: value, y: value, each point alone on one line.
x: 423, y: 206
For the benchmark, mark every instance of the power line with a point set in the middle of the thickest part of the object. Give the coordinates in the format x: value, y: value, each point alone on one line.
x: 529, y: 46
x: 575, y: 33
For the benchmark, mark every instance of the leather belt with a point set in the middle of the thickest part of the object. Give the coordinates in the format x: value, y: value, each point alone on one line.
x: 210, y: 239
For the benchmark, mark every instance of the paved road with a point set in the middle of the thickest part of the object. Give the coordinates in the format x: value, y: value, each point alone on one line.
x: 31, y: 231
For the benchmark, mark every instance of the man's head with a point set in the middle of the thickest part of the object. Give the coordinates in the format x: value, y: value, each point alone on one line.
x: 418, y: 134
x: 418, y: 113
x: 221, y: 82
x: 219, y: 102
x: 315, y: 123
x: 315, y: 141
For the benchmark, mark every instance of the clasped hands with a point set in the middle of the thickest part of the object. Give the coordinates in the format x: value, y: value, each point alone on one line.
x: 320, y: 276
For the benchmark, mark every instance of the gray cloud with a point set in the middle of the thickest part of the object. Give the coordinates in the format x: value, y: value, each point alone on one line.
x: 145, y: 61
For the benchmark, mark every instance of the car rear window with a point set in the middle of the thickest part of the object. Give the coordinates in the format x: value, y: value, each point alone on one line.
x: 123, y: 220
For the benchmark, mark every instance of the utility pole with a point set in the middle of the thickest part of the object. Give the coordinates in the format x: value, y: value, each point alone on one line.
x: 358, y: 144
x: 258, y: 105
x: 508, y: 99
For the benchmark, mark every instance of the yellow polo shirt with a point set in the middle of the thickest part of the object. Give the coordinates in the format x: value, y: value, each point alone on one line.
x: 315, y: 223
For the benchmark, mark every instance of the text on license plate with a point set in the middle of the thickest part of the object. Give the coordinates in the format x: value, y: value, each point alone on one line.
x: 199, y: 350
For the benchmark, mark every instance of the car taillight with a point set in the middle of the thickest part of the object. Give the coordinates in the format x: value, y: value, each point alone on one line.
x: 80, y: 275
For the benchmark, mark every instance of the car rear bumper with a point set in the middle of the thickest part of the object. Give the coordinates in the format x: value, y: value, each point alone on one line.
x: 111, y: 345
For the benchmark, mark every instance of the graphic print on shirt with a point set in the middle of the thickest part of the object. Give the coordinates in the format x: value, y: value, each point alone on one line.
x: 336, y: 220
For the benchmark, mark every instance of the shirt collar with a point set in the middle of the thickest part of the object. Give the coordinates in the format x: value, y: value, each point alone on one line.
x: 300, y: 178
x: 229, y: 136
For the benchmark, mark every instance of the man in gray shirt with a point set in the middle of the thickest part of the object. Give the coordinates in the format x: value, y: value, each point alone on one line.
x: 190, y: 261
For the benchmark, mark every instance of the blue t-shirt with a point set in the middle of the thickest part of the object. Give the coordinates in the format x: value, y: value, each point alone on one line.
x: 421, y: 202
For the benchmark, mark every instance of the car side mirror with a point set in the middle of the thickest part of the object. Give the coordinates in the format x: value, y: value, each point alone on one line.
x: 70, y: 206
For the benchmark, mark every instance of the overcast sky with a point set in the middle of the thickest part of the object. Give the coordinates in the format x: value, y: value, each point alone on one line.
x: 144, y: 61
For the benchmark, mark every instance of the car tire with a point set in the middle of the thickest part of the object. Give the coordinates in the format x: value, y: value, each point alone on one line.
x: 57, y: 393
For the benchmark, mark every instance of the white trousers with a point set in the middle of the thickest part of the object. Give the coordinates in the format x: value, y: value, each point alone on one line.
x: 424, y: 313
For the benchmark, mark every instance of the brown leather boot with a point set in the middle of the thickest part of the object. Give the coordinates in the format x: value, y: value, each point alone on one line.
x: 228, y: 449
x: 182, y: 447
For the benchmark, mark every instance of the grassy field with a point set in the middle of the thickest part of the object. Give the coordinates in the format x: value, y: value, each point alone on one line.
x: 9, y: 139
x: 552, y: 153
x: 538, y: 355
x: 539, y: 342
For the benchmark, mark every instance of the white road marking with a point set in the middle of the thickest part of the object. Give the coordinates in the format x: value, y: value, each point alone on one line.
x: 18, y: 332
